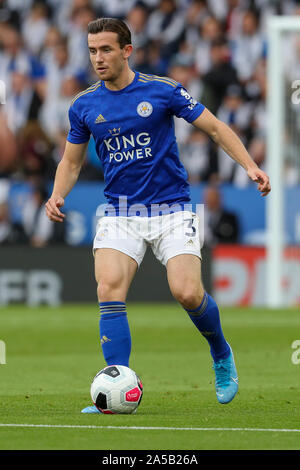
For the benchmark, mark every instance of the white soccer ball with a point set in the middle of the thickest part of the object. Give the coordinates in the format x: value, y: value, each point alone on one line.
x: 116, y: 389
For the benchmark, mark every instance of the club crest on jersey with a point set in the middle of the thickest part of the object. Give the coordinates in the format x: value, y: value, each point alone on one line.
x: 144, y: 109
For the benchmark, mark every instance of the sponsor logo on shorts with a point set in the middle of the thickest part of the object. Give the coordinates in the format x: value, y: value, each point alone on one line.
x: 102, y: 234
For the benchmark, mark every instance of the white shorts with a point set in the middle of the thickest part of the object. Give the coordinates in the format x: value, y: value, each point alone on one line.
x: 168, y: 235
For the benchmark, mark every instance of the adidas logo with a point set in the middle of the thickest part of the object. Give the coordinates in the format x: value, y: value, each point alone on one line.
x: 190, y: 242
x: 207, y: 333
x: 99, y: 119
x: 104, y: 339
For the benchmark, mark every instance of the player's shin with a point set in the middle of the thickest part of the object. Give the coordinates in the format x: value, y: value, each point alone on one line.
x: 207, y: 319
x: 114, y: 333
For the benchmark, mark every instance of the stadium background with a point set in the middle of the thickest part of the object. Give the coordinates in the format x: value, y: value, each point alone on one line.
x: 218, y: 51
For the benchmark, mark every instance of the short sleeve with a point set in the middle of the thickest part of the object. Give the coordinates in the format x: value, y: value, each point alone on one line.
x: 184, y: 106
x: 78, y: 133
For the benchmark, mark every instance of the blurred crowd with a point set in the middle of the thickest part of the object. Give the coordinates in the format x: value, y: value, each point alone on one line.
x: 215, y: 48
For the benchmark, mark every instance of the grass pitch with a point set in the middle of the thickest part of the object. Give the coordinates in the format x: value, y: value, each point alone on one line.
x: 52, y: 354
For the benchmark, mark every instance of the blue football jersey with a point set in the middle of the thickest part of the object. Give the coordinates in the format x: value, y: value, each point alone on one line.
x: 133, y: 129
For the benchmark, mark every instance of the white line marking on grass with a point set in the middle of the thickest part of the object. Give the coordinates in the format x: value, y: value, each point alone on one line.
x: 142, y: 428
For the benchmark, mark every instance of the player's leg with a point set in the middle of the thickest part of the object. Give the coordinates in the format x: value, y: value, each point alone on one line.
x: 114, y: 272
x: 179, y: 249
x: 119, y: 249
x: 184, y: 277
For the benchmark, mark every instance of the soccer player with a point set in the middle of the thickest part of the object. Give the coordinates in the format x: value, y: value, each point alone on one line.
x: 130, y: 116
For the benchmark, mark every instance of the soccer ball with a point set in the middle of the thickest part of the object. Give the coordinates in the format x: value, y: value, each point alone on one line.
x: 116, y: 389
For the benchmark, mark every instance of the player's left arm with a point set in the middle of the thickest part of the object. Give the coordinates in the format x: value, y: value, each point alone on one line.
x: 233, y: 146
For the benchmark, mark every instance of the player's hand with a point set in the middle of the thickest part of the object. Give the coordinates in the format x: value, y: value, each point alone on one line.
x: 259, y: 176
x: 52, y: 208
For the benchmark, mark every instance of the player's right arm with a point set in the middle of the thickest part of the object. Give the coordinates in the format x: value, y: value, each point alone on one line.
x: 65, y: 178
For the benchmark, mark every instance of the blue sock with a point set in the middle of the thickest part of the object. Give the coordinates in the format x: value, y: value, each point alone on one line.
x: 207, y: 319
x: 114, y: 333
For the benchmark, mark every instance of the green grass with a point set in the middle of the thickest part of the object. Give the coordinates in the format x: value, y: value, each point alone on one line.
x: 53, y: 354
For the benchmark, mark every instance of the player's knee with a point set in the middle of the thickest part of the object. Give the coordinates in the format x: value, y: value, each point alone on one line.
x: 109, y: 290
x: 189, y: 296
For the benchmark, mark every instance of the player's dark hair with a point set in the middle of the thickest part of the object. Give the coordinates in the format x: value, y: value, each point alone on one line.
x: 113, y: 25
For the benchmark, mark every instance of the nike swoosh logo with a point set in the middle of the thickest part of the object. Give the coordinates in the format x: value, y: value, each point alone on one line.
x: 235, y: 379
x: 220, y: 394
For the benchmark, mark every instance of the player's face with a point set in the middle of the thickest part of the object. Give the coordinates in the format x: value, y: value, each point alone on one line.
x: 107, y: 57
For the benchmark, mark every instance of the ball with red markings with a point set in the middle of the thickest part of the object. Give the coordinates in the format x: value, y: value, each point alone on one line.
x: 116, y: 390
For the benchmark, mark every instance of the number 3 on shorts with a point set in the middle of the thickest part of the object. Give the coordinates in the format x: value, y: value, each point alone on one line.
x: 191, y: 233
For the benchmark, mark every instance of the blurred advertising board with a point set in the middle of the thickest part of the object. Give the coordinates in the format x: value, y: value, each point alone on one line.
x: 239, y: 275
